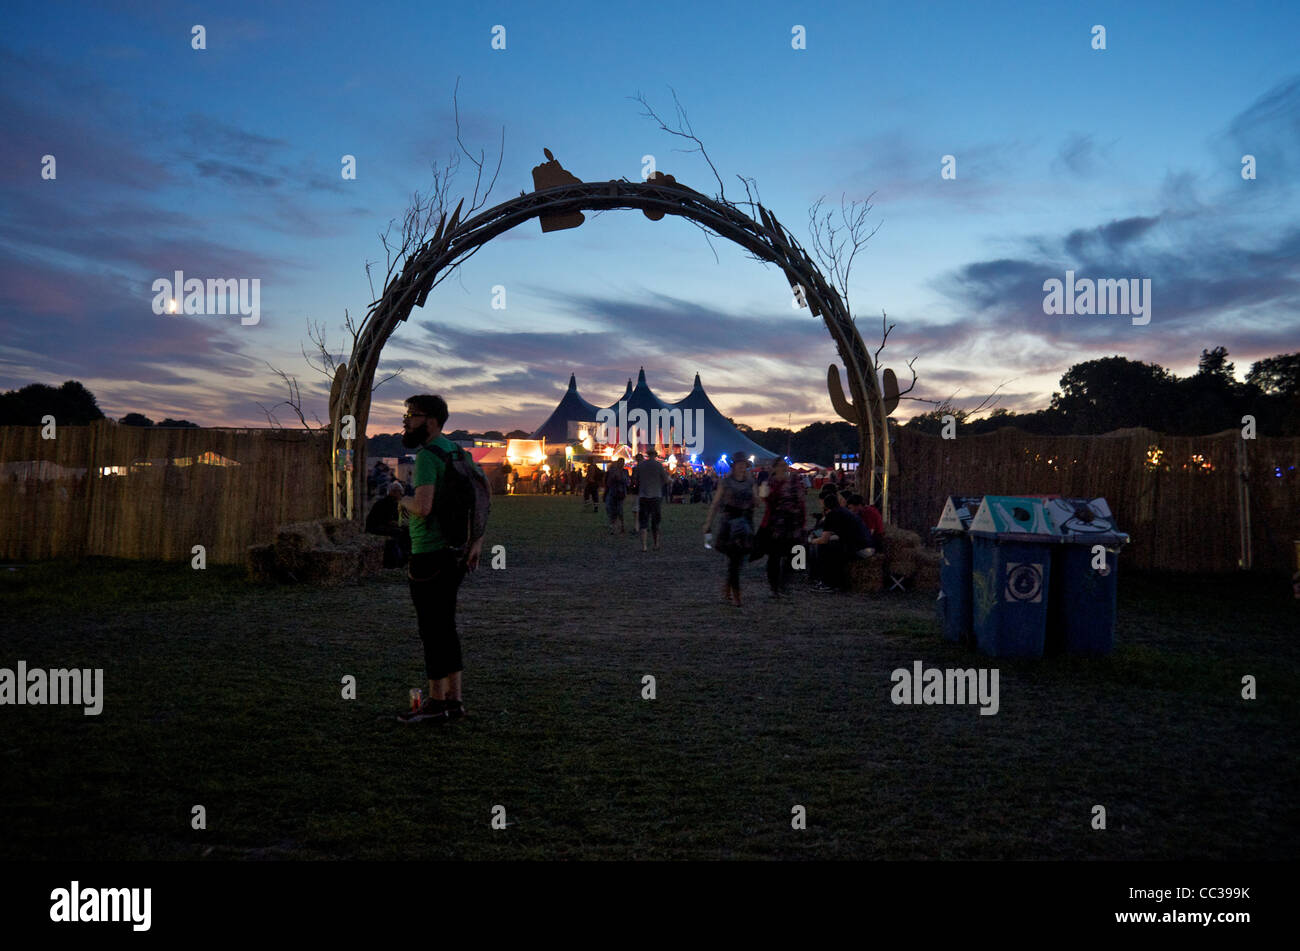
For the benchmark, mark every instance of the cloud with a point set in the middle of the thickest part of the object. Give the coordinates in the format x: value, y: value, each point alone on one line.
x: 1269, y: 129
x: 231, y: 174
x: 1081, y: 155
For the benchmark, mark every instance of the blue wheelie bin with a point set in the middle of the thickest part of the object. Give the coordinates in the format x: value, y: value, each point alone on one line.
x: 1085, y: 569
x: 954, y: 603
x: 1011, y: 539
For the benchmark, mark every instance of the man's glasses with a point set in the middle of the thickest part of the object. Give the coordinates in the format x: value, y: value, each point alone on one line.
x: 407, y: 417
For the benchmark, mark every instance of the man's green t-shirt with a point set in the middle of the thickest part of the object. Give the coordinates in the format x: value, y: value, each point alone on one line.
x: 426, y: 535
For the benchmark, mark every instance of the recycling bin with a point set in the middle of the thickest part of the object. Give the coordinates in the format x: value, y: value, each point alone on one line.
x: 1085, y: 575
x: 954, y: 602
x: 1012, y: 538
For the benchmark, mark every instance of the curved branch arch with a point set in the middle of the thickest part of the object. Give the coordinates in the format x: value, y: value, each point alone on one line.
x: 455, y: 241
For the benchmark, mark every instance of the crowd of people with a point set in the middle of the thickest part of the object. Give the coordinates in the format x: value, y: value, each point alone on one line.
x: 439, y: 547
x: 845, y: 529
x: 683, y: 485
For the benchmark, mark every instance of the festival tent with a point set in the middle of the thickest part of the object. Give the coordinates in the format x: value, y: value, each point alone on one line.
x: 721, y: 437
x: 718, y: 435
x: 643, y: 398
x: 572, y: 408
x: 487, y: 455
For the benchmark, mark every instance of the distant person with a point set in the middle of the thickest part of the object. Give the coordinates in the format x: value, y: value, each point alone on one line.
x: 616, y: 483
x: 735, y: 536
x: 592, y: 492
x: 385, y: 519
x: 651, y: 477
x: 511, y: 478
x: 634, y: 490
x: 436, y: 568
x: 707, y: 485
x: 784, y: 521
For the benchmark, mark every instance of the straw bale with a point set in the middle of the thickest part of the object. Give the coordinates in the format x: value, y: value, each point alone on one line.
x: 867, y: 575
x: 897, y: 540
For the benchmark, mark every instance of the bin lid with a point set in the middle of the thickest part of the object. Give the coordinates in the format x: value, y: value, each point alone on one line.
x: 958, y: 511
x: 1015, y: 515
x: 1083, y: 520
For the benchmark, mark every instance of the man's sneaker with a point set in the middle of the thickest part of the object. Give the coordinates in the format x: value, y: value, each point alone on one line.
x: 456, y: 710
x: 430, y: 711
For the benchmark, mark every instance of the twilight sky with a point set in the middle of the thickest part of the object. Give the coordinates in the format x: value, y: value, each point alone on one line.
x: 225, y: 163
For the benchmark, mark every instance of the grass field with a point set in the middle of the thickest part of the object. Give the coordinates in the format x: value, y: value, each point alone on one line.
x: 228, y: 695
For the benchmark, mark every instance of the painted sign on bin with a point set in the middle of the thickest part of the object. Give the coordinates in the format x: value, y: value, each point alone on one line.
x: 1081, y: 519
x: 1016, y: 514
x: 958, y: 511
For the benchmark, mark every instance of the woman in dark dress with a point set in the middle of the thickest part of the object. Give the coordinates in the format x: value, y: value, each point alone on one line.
x: 735, y: 496
x: 784, y: 521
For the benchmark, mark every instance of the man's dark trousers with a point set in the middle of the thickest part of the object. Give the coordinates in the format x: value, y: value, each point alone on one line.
x: 435, y: 579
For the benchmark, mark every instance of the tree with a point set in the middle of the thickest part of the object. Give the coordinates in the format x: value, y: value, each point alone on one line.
x: 518, y: 434
x: 1215, y: 363
x: 1099, y: 396
x: 70, y: 404
x: 493, y: 434
x: 170, y: 423
x: 819, y: 442
x: 135, y: 419
x: 932, y: 422
x: 1277, y: 376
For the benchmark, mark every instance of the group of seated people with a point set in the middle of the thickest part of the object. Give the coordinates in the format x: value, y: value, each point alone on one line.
x: 847, y: 529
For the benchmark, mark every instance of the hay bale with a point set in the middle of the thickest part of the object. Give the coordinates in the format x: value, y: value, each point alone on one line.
x: 339, y: 531
x: 328, y: 551
x: 371, y: 561
x: 300, y: 536
x: 902, y: 564
x: 927, y: 570
x: 328, y: 566
x: 898, y: 540
x: 867, y: 575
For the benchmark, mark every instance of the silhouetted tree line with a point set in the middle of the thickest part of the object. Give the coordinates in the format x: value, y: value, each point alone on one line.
x: 1100, y: 396
x: 70, y: 404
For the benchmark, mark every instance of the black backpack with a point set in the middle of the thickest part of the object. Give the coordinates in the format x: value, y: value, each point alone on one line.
x: 461, y: 499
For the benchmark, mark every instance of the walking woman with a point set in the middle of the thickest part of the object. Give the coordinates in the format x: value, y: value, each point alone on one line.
x: 735, y: 534
x: 784, y: 521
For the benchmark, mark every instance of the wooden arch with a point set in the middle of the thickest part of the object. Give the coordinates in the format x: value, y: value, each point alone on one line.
x: 454, y: 240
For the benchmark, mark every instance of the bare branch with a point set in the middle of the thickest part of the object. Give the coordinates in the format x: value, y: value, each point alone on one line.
x: 989, y: 401
x: 837, y: 244
x: 684, y: 131
x: 476, y: 202
x: 294, y: 402
x: 884, y: 336
x: 911, y: 386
